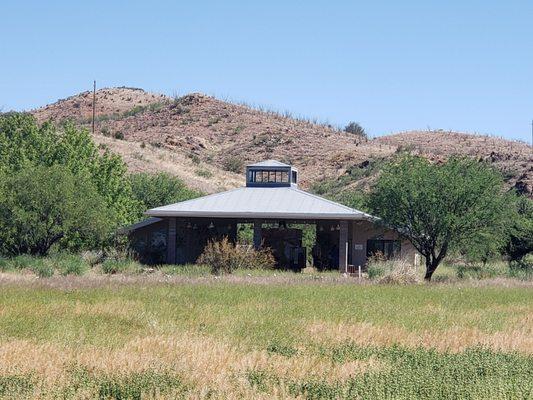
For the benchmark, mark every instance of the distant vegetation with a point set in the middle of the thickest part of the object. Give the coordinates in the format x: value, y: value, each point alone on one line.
x: 356, y: 129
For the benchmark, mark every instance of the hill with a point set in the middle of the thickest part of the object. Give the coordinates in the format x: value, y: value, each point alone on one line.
x: 207, y: 141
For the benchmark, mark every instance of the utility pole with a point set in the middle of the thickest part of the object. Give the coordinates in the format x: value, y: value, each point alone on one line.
x: 94, y: 102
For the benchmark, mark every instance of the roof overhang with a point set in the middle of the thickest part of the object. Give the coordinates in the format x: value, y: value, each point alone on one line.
x: 259, y: 215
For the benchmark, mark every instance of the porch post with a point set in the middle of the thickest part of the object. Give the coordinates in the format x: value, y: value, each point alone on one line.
x: 171, y: 241
x: 257, y: 234
x: 343, y: 247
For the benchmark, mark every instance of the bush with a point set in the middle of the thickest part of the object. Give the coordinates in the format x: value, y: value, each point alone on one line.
x: 482, y: 270
x: 392, y: 271
x: 523, y: 268
x: 68, y: 264
x: 225, y: 257
x: 356, y: 129
x: 43, y: 269
x: 92, y: 257
x: 233, y: 164
x: 112, y: 266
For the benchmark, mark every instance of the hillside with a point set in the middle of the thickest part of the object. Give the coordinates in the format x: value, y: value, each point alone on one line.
x: 207, y: 141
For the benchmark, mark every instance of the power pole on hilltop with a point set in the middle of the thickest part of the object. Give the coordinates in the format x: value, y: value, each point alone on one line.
x: 94, y: 102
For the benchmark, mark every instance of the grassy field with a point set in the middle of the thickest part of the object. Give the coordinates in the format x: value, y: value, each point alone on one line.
x: 263, y: 337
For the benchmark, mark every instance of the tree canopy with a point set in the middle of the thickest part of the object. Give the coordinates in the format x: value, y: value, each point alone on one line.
x: 82, y: 173
x: 24, y: 143
x: 154, y: 190
x: 42, y: 206
x: 440, y: 207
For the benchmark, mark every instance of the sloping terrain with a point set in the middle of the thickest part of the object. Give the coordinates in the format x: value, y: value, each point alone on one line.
x: 207, y: 141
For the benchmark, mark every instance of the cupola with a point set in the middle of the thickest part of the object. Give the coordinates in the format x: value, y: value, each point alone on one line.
x: 271, y: 173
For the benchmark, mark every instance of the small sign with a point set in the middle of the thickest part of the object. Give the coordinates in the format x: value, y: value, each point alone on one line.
x: 358, y: 247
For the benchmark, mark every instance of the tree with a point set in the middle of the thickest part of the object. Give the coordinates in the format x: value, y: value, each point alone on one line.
x: 439, y: 208
x: 154, y: 190
x: 521, y: 231
x: 356, y: 129
x: 43, y: 206
x: 25, y: 143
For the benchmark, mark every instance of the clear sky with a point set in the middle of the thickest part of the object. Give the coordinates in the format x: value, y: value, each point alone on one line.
x: 390, y: 65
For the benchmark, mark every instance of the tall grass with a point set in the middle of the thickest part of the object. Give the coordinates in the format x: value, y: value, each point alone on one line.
x: 222, y: 340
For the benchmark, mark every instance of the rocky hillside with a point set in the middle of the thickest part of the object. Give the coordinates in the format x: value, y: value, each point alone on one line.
x: 207, y: 141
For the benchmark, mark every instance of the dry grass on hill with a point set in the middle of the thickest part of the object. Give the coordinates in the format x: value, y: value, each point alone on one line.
x: 221, y: 137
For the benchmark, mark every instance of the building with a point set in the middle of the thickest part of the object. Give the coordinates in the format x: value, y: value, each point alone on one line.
x: 278, y: 210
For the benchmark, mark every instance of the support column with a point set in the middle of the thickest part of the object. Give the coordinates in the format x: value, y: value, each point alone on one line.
x: 171, y: 241
x: 343, y: 247
x: 257, y: 234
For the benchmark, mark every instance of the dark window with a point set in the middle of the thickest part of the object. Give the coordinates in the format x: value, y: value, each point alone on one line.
x: 386, y: 248
x: 294, y: 176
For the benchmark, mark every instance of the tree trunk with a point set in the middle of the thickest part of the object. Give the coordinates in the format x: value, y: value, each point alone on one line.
x: 431, y: 266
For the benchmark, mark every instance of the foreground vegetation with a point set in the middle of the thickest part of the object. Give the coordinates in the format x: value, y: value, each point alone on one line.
x: 221, y: 339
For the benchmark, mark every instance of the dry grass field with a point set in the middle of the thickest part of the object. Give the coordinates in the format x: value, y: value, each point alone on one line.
x: 277, y: 336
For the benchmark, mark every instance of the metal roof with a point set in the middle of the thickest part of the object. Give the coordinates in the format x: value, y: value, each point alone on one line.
x: 269, y: 163
x: 138, y: 225
x: 260, y: 202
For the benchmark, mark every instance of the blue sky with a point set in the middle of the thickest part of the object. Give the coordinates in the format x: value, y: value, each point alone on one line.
x: 390, y: 65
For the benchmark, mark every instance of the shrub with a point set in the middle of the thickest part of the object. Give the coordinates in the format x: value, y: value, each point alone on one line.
x: 225, y: 257
x: 23, y: 262
x: 233, y: 164
x: 92, y: 257
x: 523, y: 268
x: 392, y: 271
x: 43, y: 269
x: 113, y: 266
x: 356, y: 129
x: 68, y: 264
x: 482, y: 270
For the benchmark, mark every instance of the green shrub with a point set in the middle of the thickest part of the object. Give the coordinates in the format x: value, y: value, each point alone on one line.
x: 68, y: 264
x: 225, y: 257
x: 24, y: 261
x: 523, y: 268
x: 43, y: 269
x: 482, y: 270
x: 112, y: 266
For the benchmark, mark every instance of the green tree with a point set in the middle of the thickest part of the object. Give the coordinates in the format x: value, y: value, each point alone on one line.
x: 43, y: 206
x: 155, y: 190
x: 439, y: 207
x: 521, y: 231
x: 25, y: 143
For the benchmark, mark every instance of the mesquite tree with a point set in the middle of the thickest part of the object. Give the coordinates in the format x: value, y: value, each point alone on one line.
x: 440, y: 207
